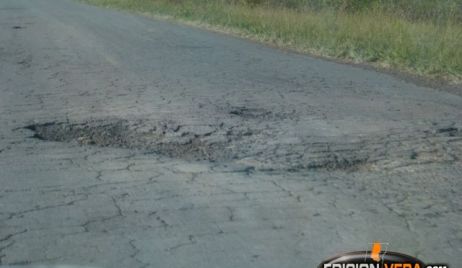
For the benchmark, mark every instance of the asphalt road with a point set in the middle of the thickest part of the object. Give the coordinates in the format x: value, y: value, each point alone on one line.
x: 131, y: 142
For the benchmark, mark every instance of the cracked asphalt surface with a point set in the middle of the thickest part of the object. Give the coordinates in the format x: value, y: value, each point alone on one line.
x: 131, y: 142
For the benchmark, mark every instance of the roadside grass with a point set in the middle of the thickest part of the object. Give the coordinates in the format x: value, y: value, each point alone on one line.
x: 428, y: 43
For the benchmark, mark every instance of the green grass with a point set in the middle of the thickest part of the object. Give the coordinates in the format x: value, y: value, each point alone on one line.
x: 422, y: 37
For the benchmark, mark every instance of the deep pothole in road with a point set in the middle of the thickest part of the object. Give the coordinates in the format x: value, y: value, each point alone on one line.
x: 260, y: 148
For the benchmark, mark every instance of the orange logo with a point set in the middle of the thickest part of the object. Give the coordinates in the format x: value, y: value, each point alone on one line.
x: 375, y: 252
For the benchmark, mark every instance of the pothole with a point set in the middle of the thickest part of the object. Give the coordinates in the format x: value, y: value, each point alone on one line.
x: 191, y: 142
x: 261, y: 148
x: 249, y: 113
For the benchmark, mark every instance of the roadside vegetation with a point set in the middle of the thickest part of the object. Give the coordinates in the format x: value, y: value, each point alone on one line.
x: 422, y: 37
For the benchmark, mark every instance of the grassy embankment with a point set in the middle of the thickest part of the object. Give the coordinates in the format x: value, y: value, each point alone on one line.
x: 422, y: 37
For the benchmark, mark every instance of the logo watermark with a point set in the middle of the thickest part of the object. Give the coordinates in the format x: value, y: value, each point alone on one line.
x: 377, y: 257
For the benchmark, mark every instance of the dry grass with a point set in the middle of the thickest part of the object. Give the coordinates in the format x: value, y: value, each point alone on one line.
x: 425, y: 43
